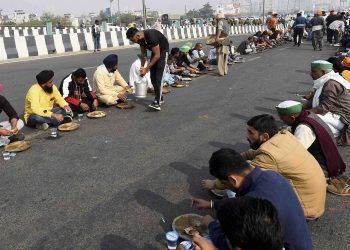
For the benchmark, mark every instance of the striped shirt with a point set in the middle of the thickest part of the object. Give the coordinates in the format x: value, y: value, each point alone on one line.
x: 337, y: 25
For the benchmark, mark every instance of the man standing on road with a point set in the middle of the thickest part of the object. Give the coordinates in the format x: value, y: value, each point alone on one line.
x: 96, y: 30
x: 156, y: 42
x: 318, y: 27
x: 299, y: 26
x: 223, y: 51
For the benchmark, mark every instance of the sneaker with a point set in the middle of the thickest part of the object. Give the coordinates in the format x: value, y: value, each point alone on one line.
x: 43, y: 126
x: 337, y: 45
x: 155, y: 106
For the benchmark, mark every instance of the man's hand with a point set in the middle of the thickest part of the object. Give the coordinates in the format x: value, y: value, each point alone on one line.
x: 5, y: 132
x: 95, y: 104
x: 122, y: 96
x: 208, y: 184
x: 58, y: 117
x: 143, y: 72
x: 68, y: 110
x: 200, y: 203
x: 14, y: 131
x: 84, y: 106
x: 202, y: 244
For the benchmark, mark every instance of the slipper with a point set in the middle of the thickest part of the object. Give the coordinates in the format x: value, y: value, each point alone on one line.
x: 342, y: 178
x: 338, y: 188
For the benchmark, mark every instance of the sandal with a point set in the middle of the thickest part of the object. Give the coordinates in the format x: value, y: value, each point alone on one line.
x: 338, y: 187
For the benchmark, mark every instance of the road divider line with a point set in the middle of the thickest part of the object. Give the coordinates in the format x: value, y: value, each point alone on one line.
x: 253, y: 59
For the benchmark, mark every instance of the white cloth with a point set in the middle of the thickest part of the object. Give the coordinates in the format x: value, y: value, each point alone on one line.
x: 197, y: 54
x: 334, y: 123
x: 134, y: 75
x: 319, y: 83
x: 7, y: 125
x: 317, y: 27
x: 212, y: 54
x: 305, y: 135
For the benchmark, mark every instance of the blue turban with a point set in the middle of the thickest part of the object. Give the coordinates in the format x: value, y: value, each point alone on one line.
x: 110, y: 61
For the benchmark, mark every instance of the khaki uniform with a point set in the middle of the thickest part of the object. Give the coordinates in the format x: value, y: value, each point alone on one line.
x: 284, y: 154
x: 108, y: 86
x: 223, y: 51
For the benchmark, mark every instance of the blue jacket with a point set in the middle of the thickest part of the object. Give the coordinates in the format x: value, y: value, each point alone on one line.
x: 300, y: 22
x: 275, y: 188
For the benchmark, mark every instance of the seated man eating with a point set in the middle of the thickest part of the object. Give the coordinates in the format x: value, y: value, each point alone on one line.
x: 40, y: 111
x: 315, y: 135
x: 76, y: 90
x: 238, y: 175
x: 110, y: 87
x: 281, y: 152
x: 199, y: 59
x: 9, y: 130
x: 331, y: 99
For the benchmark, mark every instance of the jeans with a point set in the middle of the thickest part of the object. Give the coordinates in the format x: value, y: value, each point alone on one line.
x: 34, y: 119
x: 97, y: 44
x: 78, y: 110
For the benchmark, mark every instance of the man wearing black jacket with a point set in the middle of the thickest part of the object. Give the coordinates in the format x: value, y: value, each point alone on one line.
x: 76, y: 90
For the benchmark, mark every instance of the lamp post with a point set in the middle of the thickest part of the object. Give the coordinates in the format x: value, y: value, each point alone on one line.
x: 144, y: 14
x: 263, y: 12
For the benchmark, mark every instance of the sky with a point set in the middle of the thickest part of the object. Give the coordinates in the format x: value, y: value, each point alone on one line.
x: 78, y: 7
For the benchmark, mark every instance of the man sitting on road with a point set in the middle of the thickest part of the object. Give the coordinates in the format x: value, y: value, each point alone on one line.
x: 238, y: 175
x: 10, y: 129
x: 76, y: 90
x: 40, y: 100
x: 315, y: 135
x: 331, y: 99
x: 110, y: 87
x: 200, y: 60
x: 184, y: 60
x: 281, y: 152
x: 134, y: 73
x: 177, y: 60
x: 246, y: 222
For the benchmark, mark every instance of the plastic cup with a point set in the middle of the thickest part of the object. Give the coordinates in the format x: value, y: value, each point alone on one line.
x: 172, y: 238
x: 6, y: 155
x: 80, y: 117
x: 53, y: 133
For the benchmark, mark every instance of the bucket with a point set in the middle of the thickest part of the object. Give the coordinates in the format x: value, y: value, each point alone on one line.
x: 141, y: 89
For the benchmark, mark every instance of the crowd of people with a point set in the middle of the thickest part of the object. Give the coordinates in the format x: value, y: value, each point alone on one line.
x: 280, y: 183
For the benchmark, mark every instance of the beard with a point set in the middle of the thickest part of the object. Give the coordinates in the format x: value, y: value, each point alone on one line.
x: 255, y: 145
x: 48, y: 89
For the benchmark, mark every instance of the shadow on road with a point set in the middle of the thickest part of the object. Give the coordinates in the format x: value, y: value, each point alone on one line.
x: 194, y: 176
x: 115, y: 242
x: 167, y: 209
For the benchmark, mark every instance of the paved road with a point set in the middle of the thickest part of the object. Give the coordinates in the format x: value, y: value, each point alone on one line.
x: 108, y: 184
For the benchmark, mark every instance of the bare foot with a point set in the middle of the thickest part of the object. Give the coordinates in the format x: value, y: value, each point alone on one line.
x: 208, y: 184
